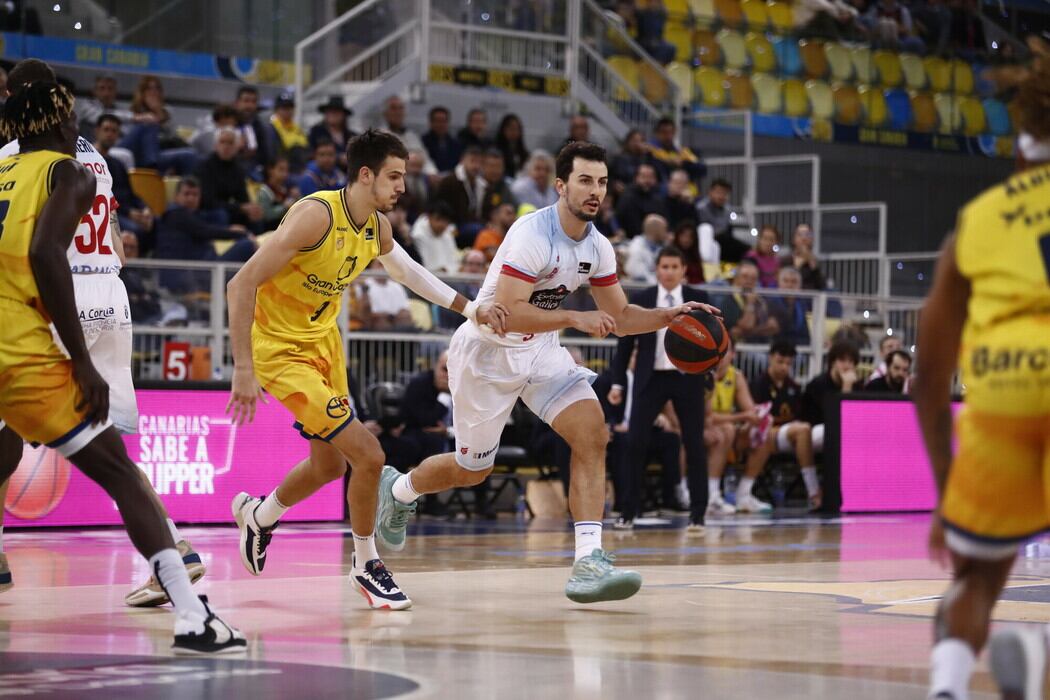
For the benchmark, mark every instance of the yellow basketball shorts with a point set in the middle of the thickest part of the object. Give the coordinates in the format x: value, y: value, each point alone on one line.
x: 998, y: 491
x: 38, y: 395
x: 309, y: 379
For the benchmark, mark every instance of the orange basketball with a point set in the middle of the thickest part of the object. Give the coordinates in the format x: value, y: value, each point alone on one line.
x: 695, y: 342
x: 38, y: 484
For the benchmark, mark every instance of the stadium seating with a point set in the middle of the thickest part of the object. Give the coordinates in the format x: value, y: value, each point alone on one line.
x: 728, y: 12
x: 768, y: 91
x: 864, y: 68
x: 149, y: 186
x: 938, y: 73
x: 924, y: 112
x: 711, y: 86
x: 734, y: 49
x: 874, y: 103
x: 781, y: 17
x: 760, y: 51
x: 821, y: 99
x: 741, y: 93
x: 997, y: 116
x: 898, y: 103
x: 680, y: 36
x: 974, y: 121
x: 796, y: 102
x: 888, y: 66
x: 962, y: 77
x: 814, y: 62
x: 839, y: 61
x: 848, y: 108
x: 654, y: 86
x: 788, y: 57
x: 756, y: 14
x: 708, y: 52
x: 626, y: 68
x: 948, y: 112
x: 682, y: 76
x: 703, y: 12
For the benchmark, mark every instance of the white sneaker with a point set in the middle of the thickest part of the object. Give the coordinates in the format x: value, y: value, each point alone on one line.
x: 210, y: 636
x: 376, y: 584
x: 718, y: 506
x: 1017, y: 658
x: 750, y: 504
x: 254, y: 538
x: 681, y: 492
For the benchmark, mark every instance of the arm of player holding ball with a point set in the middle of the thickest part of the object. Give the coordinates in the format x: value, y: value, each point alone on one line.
x: 632, y: 319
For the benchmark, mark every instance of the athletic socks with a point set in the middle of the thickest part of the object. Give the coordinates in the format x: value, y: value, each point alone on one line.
x: 951, y: 664
x: 714, y: 489
x: 403, y: 490
x: 588, y: 538
x: 809, y: 475
x: 170, y: 572
x: 745, y: 486
x: 175, y: 536
x: 270, y: 510
x: 365, y: 548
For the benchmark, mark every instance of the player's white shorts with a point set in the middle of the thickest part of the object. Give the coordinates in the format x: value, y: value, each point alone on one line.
x: 105, y: 317
x: 487, y: 379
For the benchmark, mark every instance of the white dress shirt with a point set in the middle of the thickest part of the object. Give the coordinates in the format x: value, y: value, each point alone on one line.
x: 665, y: 299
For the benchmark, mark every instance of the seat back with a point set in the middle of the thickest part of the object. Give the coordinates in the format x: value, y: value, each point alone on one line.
x: 899, y: 104
x: 997, y: 116
x: 914, y: 71
x: 863, y: 65
x: 821, y: 100
x: 924, y: 112
x: 149, y: 186
x: 682, y: 76
x: 768, y: 93
x: 796, y: 103
x: 708, y: 52
x: 839, y: 60
x: 741, y: 93
x: 760, y: 51
x: 781, y: 17
x: 711, y: 86
x: 888, y: 66
x: 938, y: 72
x: 756, y: 14
x: 734, y: 48
x: 788, y: 58
x: 814, y: 62
x: 875, y: 111
x: 848, y: 107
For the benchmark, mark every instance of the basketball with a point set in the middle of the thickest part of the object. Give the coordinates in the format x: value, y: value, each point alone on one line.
x: 696, y: 341
x: 39, y: 483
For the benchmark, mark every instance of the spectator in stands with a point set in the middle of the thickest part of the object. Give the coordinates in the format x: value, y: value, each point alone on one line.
x: 224, y: 194
x: 745, y: 313
x: 607, y: 223
x: 402, y: 231
x: 892, y: 27
x: 417, y: 186
x: 651, y: 17
x: 387, y: 304
x: 473, y: 134
x: 103, y: 100
x: 152, y: 139
x: 276, y: 197
x: 803, y: 259
x: 464, y: 191
x: 639, y: 201
x: 779, y: 399
x: 933, y: 23
x: 625, y: 16
x: 394, y: 118
x: 143, y: 303
x: 625, y: 164
x: 643, y: 249
x: 322, y: 173
x: 203, y: 142
x: 897, y: 377
x: 534, y: 186
x: 679, y: 202
x: 441, y: 145
x: 256, y: 138
x: 767, y: 244
x: 967, y: 30
x: 790, y: 311
x: 473, y: 263
x: 290, y: 139
x: 669, y: 154
x: 579, y: 130
x: 434, y: 235
x: 887, y: 345
x: 333, y: 128
x: 840, y: 378
x: 831, y: 19
x: 427, y: 410
x: 510, y: 140
x: 686, y: 241
x: 182, y: 234
x: 132, y: 213
x: 500, y: 220
x: 497, y: 188
x: 714, y: 209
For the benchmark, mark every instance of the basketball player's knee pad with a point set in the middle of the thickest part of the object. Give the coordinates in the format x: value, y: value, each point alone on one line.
x: 476, y: 460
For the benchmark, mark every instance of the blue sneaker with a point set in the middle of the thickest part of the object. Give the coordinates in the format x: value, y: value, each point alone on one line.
x: 391, y: 515
x: 595, y: 579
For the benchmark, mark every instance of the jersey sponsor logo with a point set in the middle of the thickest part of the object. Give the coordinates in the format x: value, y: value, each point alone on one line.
x: 338, y: 407
x: 1029, y: 180
x: 93, y: 269
x: 97, y: 314
x: 584, y: 268
x: 464, y: 450
x: 549, y: 299
x: 551, y: 275
x: 483, y: 455
x: 370, y: 234
x: 339, y: 243
x: 985, y: 361
x: 329, y: 288
x: 347, y: 268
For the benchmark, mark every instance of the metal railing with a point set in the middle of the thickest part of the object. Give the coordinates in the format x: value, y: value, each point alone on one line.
x: 493, y: 48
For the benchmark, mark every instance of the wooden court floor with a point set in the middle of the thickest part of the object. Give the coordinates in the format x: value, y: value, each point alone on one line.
x: 753, y: 608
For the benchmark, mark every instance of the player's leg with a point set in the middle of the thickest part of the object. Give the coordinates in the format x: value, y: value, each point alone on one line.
x: 718, y: 439
x: 10, y: 456
x: 797, y: 437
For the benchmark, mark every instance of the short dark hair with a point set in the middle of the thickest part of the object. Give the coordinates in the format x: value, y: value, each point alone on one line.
x: 247, y: 90
x: 108, y: 118
x: 442, y: 209
x: 473, y: 111
x: 843, y: 350
x: 577, y: 149
x: 188, y: 181
x: 883, y: 339
x: 664, y: 121
x: 472, y: 150
x: 670, y: 251
x: 223, y: 112
x: 784, y: 348
x: 494, y: 153
x: 720, y: 182
x: 371, y: 149
x: 748, y: 261
x: 323, y: 142
x: 435, y: 110
x: 29, y: 70
x: 897, y: 353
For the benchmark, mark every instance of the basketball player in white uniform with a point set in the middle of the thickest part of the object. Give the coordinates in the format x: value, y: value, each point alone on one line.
x: 545, y: 257
x: 95, y: 259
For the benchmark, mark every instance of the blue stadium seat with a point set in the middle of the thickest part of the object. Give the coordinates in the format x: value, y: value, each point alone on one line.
x: 998, y: 117
x: 982, y: 85
x: 899, y: 104
x: 788, y: 57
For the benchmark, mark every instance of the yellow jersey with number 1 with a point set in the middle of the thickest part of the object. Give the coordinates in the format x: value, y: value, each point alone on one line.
x: 302, y: 301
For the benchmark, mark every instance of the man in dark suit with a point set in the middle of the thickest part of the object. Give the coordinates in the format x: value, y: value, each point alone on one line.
x: 656, y: 382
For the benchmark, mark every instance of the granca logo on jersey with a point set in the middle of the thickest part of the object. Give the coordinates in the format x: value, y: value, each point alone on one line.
x: 328, y: 288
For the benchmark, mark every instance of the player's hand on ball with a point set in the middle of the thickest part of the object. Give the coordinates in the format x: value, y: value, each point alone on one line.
x: 594, y: 323
x: 669, y: 314
x: 245, y: 391
x: 493, y: 315
x: 95, y: 392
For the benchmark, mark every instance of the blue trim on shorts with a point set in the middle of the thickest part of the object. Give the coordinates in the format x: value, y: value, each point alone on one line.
x: 984, y: 539
x: 328, y: 438
x: 55, y: 444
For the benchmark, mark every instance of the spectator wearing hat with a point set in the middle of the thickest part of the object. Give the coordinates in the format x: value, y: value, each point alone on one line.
x: 290, y: 138
x: 333, y: 128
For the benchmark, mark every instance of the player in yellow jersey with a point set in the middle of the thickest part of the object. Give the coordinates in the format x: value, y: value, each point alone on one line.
x: 989, y: 312
x: 283, y: 308
x: 63, y: 402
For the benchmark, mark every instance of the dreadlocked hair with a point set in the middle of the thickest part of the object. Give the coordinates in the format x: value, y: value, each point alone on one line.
x: 1032, y: 86
x: 35, y: 109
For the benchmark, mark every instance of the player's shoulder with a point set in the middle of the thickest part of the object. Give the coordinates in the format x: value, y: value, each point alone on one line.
x: 10, y: 149
x: 530, y: 230
x: 1006, y: 197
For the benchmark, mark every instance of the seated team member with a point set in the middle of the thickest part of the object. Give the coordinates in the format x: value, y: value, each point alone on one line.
x: 887, y: 344
x: 896, y: 378
x: 840, y: 378
x: 781, y: 429
x: 731, y: 413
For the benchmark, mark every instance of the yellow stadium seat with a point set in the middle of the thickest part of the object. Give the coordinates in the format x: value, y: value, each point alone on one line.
x: 422, y: 316
x: 707, y: 48
x: 711, y: 86
x: 626, y: 68
x: 729, y: 13
x: 171, y: 183
x: 781, y: 17
x: 677, y: 9
x: 756, y: 14
x: 939, y: 73
x: 741, y: 94
x: 863, y: 65
x: 949, y: 113
x: 914, y: 71
x: 888, y: 65
x: 848, y: 108
x: 974, y: 121
x: 962, y: 77
x: 821, y: 100
x: 703, y: 12
x: 734, y: 49
x: 796, y: 103
x: 682, y: 76
x: 839, y: 60
x: 874, y: 103
x: 924, y: 112
x: 654, y: 86
x: 681, y: 37
x: 814, y: 62
x: 149, y: 186
x: 763, y: 59
x: 768, y: 93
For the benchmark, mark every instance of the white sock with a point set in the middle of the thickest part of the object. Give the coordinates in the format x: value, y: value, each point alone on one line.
x: 403, y: 490
x: 809, y: 475
x: 743, y: 490
x: 270, y: 510
x: 365, y: 548
x: 174, y: 531
x: 714, y: 489
x: 170, y: 572
x: 951, y: 663
x: 588, y: 538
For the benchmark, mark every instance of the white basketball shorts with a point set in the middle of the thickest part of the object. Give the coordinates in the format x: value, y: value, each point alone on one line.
x: 486, y: 380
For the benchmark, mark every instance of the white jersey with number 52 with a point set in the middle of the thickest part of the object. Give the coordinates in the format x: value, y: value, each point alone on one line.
x: 91, y: 251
